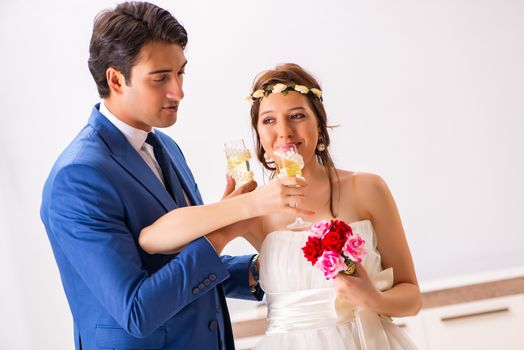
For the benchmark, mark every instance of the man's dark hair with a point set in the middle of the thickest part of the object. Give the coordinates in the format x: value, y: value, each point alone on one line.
x: 119, y: 34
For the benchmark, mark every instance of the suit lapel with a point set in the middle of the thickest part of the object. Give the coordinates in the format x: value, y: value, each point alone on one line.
x: 125, y: 155
x: 179, y: 165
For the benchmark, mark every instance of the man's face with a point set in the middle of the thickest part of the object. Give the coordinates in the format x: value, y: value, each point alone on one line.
x: 152, y: 96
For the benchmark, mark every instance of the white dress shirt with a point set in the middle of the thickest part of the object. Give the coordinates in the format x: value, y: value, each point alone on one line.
x: 137, y: 139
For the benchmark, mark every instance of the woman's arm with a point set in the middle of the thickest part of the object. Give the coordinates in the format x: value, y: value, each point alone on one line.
x: 181, y: 226
x: 404, y: 299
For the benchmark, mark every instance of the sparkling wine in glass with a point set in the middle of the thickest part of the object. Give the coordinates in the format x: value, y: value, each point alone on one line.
x: 290, y: 163
x: 238, y: 157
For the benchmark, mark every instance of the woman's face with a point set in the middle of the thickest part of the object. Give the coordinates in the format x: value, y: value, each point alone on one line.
x: 284, y: 119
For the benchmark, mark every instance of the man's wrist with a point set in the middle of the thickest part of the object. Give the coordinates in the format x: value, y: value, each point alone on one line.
x: 216, y: 242
x: 253, y: 273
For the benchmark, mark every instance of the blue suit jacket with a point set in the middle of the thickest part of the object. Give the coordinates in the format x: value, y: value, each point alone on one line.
x: 98, y: 197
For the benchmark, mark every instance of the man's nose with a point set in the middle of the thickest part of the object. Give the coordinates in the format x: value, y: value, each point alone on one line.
x: 175, y: 90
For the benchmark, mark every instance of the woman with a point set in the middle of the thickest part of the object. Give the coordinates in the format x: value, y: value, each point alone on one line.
x: 305, y: 310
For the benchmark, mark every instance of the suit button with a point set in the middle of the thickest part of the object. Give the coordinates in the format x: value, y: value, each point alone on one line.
x: 207, y: 281
x: 213, y: 325
x: 212, y: 277
x: 196, y: 290
x: 201, y: 286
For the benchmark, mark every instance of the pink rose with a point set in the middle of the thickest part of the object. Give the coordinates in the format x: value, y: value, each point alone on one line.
x: 330, y: 263
x: 319, y: 229
x: 354, y: 248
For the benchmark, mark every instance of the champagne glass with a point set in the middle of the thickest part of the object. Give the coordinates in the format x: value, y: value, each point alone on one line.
x: 290, y: 163
x: 238, y: 157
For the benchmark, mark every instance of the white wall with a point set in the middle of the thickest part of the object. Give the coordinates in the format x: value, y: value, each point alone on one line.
x: 429, y: 95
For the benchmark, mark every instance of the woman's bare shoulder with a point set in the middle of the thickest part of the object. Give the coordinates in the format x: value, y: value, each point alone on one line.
x: 361, y: 181
x: 364, y: 189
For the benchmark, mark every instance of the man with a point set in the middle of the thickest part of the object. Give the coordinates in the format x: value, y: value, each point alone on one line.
x: 118, y: 176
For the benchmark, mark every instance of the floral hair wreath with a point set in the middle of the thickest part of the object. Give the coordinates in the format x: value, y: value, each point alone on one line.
x: 284, y: 89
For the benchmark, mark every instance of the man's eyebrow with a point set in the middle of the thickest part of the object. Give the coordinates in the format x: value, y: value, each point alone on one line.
x: 158, y: 71
x: 166, y: 70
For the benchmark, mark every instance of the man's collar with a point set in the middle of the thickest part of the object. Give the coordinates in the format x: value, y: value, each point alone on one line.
x: 136, y: 137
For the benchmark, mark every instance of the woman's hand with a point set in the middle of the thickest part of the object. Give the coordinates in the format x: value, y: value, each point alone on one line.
x: 283, y: 194
x: 358, y: 289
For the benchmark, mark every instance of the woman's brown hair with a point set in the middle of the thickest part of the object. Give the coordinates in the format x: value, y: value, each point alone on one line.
x: 293, y: 74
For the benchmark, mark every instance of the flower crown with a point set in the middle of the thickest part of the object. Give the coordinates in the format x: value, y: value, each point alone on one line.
x: 284, y: 89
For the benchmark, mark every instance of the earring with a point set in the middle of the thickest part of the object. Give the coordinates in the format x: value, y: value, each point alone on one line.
x: 321, y: 147
x: 267, y: 158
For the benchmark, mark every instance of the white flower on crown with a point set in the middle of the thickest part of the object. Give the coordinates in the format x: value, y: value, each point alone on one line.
x: 316, y: 92
x: 302, y: 89
x: 279, y: 88
x: 283, y: 88
x: 258, y: 94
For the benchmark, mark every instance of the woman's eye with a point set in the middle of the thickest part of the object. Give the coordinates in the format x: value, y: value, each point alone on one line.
x: 267, y: 121
x: 182, y: 72
x: 297, y: 116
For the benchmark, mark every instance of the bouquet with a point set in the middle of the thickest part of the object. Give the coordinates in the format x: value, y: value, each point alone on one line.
x: 332, y: 247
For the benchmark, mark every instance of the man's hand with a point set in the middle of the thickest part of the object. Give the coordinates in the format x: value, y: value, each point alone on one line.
x: 231, y: 192
x: 221, y: 237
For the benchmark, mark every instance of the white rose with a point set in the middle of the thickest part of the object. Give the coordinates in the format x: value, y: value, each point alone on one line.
x: 258, y: 94
x: 250, y: 99
x: 302, y: 89
x: 316, y: 92
x: 279, y: 88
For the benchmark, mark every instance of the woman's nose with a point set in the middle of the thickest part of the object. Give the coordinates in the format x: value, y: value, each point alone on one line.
x: 284, y: 130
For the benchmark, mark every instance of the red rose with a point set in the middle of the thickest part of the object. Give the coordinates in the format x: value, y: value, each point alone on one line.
x: 334, y: 241
x: 313, y: 249
x: 336, y: 237
x: 341, y: 226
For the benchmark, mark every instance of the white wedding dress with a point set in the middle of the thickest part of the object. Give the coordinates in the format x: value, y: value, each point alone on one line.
x: 303, y: 311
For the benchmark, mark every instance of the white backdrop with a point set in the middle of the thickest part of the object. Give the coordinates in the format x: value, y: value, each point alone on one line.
x: 429, y: 95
